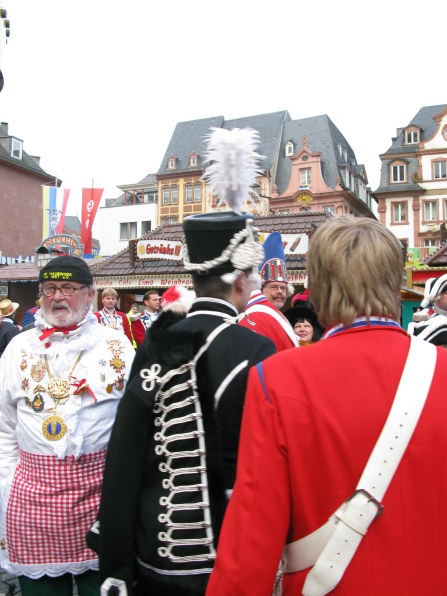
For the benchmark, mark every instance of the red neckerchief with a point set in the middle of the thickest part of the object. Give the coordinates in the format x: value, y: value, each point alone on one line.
x: 64, y: 330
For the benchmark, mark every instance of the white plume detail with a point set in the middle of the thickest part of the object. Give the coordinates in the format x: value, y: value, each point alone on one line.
x: 233, y: 168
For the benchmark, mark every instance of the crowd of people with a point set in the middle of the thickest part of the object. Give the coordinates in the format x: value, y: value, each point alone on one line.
x: 218, y: 442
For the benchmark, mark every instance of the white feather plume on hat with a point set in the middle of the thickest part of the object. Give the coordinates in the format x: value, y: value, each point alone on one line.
x: 233, y: 168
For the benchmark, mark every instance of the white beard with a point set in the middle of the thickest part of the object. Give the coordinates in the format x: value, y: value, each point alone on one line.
x: 66, y: 316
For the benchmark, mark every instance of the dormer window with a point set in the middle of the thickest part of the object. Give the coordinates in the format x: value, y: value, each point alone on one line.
x: 398, y: 172
x: 193, y: 160
x: 16, y: 148
x: 289, y: 149
x: 171, y: 163
x: 411, y: 137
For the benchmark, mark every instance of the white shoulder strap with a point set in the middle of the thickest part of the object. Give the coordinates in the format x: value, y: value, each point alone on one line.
x: 278, y: 317
x: 331, y: 548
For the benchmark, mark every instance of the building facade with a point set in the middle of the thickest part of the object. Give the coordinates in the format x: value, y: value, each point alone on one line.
x: 306, y: 163
x: 21, y: 181
x: 412, y: 195
x: 132, y: 215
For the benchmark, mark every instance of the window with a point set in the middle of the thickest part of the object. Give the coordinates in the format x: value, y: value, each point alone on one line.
x: 430, y: 210
x: 439, y: 169
x: 329, y: 209
x: 128, y: 230
x: 174, y: 195
x: 305, y: 177
x: 430, y: 242
x: 166, y: 221
x: 171, y: 163
x: 197, y: 193
x: 289, y: 149
x: 193, y: 160
x: 188, y: 193
x: 399, y: 212
x: 145, y: 227
x: 165, y: 192
x: 412, y: 136
x: 398, y: 173
x: 16, y: 149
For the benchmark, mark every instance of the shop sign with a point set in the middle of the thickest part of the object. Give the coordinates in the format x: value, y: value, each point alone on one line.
x: 159, y: 249
x: 61, y: 240
x: 143, y: 281
x: 166, y: 281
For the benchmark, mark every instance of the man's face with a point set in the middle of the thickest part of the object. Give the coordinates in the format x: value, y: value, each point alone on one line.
x: 152, y: 304
x: 60, y: 310
x: 109, y: 302
x: 442, y: 301
x: 275, y: 292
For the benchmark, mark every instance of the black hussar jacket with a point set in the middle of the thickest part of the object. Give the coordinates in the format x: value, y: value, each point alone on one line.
x: 171, y: 461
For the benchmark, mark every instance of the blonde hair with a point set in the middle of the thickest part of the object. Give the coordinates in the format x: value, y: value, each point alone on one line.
x: 110, y: 292
x: 354, y: 267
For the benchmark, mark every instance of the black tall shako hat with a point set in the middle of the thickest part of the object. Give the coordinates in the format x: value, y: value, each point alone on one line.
x: 223, y: 243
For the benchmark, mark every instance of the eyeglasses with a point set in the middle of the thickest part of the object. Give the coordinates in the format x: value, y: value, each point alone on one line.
x: 66, y: 290
x: 277, y: 288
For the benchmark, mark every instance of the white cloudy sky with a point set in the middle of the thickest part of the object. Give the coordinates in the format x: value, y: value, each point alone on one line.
x: 96, y: 87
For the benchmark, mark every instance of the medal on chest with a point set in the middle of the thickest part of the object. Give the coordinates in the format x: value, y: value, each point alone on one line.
x: 54, y: 427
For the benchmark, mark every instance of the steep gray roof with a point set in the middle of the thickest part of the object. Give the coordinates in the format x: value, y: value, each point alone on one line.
x: 322, y: 137
x: 72, y: 222
x: 191, y: 136
x: 186, y: 138
x: 27, y: 162
x: 424, y: 119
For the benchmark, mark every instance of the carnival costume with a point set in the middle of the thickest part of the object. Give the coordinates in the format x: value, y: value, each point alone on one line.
x: 141, y: 324
x: 115, y: 319
x: 297, y: 464
x: 59, y: 393
x: 172, y: 458
x: 431, y: 325
x: 261, y: 315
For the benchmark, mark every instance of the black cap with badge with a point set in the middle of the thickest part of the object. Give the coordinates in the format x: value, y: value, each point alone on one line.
x: 66, y: 269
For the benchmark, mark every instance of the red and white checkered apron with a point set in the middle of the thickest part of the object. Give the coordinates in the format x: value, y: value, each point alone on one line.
x: 53, y: 503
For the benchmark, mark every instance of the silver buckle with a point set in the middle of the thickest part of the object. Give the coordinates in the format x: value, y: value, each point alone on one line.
x: 370, y: 498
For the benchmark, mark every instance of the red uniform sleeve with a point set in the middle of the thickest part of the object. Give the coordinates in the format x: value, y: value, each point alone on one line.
x: 98, y: 316
x: 138, y: 331
x: 258, y: 516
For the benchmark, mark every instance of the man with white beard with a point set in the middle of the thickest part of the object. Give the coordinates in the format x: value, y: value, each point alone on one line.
x: 60, y: 384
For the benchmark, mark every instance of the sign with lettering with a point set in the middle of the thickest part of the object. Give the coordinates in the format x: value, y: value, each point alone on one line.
x: 140, y: 282
x: 64, y: 241
x: 159, y: 249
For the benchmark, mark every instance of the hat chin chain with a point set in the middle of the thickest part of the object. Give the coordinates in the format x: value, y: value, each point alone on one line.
x: 244, y: 252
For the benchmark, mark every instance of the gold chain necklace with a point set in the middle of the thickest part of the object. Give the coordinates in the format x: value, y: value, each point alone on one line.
x: 54, y: 427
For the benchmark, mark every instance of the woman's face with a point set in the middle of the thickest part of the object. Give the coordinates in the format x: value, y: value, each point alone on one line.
x: 304, y: 330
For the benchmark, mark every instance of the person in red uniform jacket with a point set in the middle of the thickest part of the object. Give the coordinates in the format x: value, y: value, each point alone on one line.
x: 141, y: 324
x: 110, y: 317
x: 263, y: 314
x: 311, y: 420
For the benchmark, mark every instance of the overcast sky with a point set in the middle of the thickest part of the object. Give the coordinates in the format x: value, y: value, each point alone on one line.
x: 96, y: 87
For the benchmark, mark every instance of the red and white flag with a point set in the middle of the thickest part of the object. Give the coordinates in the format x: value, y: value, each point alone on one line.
x: 91, y: 197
